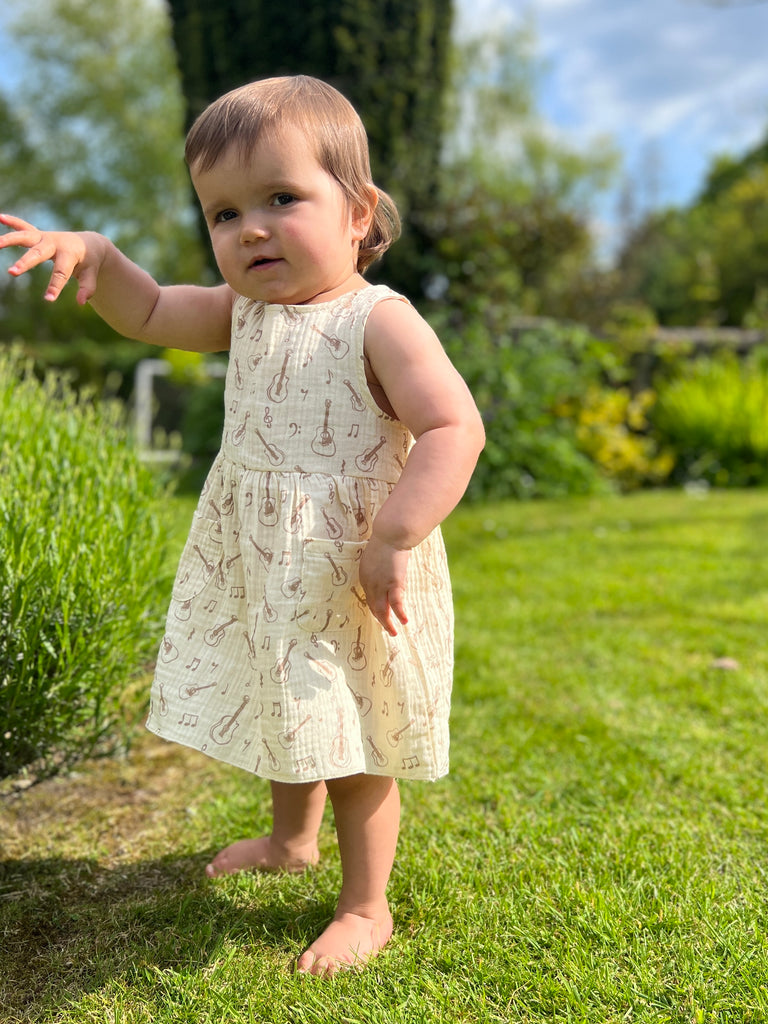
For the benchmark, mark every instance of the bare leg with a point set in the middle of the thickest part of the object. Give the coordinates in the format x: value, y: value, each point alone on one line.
x: 367, y: 812
x: 292, y: 845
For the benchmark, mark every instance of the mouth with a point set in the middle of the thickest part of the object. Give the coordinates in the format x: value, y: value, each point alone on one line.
x: 262, y: 262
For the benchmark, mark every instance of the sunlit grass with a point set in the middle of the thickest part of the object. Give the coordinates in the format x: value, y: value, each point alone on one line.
x: 597, y: 854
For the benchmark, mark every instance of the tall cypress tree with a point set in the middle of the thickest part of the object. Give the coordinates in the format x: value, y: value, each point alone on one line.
x: 389, y: 57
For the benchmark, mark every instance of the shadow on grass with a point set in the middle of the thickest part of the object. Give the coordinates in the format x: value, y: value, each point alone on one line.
x: 68, y: 927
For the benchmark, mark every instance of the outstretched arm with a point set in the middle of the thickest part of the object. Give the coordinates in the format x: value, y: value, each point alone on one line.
x: 179, y: 316
x: 428, y: 395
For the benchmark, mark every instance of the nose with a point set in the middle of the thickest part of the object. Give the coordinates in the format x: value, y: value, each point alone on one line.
x: 253, y: 228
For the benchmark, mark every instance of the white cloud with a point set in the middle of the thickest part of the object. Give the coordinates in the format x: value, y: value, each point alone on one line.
x: 686, y: 76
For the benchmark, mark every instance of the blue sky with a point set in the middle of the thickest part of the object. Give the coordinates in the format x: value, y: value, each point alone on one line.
x: 672, y: 82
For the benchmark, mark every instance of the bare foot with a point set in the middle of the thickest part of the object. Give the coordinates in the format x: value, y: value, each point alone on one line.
x: 348, y: 941
x: 261, y: 854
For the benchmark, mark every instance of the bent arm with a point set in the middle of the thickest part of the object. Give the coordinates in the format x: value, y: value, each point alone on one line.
x: 125, y: 296
x: 429, y: 396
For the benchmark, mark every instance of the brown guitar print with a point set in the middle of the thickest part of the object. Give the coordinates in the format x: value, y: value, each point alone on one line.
x: 287, y: 739
x: 275, y: 455
x: 336, y: 346
x: 281, y: 670
x: 186, y: 692
x: 226, y: 727
x: 333, y: 526
x: 265, y: 554
x: 357, y: 403
x: 379, y: 759
x: 358, y: 511
x: 273, y: 761
x: 213, y: 637
x: 209, y: 567
x: 239, y: 432
x: 341, y: 755
x: 293, y: 524
x: 364, y: 704
x: 278, y: 389
x: 357, y: 659
x: 323, y: 443
x: 267, y: 508
x: 339, y: 575
x: 369, y: 458
x: 394, y: 735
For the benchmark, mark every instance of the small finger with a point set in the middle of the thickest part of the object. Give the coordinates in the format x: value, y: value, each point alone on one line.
x: 63, y: 267
x: 16, y: 222
x: 37, y: 252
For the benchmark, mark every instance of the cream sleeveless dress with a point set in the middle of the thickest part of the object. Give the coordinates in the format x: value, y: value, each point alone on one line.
x: 271, y: 660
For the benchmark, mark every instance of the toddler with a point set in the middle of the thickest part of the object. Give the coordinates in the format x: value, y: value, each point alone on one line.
x: 309, y: 635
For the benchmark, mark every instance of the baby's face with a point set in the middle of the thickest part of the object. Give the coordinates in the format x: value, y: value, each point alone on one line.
x: 281, y: 228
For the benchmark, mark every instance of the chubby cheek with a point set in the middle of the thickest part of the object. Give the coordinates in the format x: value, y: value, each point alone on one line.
x: 225, y: 260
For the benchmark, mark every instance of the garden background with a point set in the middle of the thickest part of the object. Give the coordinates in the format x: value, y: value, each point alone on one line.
x: 609, y: 559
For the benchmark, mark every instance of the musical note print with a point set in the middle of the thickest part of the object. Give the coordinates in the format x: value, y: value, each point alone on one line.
x: 268, y: 582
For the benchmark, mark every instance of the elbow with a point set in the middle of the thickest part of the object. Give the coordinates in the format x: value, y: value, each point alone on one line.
x: 478, y: 436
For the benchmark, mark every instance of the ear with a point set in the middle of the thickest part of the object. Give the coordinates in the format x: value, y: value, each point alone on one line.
x: 362, y: 215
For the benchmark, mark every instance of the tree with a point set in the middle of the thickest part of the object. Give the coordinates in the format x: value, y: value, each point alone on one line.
x: 93, y: 139
x: 512, y: 228
x: 389, y: 58
x: 100, y: 115
x: 706, y: 263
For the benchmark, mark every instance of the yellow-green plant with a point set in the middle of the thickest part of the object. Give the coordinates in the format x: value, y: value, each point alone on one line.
x: 612, y: 428
x: 714, y: 415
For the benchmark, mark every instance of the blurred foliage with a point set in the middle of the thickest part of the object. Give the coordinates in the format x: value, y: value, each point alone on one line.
x: 706, y: 264
x: 93, y: 140
x: 712, y: 414
x: 522, y: 380
x: 500, y: 216
x: 81, y: 570
x: 613, y: 429
x: 512, y: 221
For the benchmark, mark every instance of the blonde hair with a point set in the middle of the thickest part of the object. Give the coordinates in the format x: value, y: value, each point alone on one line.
x: 247, y: 114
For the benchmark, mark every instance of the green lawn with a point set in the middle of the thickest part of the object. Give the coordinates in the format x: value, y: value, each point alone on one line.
x: 598, y: 853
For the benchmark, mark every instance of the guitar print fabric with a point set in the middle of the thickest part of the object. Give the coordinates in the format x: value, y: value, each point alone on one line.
x: 271, y: 660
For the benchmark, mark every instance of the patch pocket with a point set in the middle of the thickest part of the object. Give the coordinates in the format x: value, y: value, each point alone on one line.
x: 332, y: 598
x: 200, y: 563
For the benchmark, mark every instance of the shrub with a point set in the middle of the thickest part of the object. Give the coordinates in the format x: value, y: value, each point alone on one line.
x: 522, y: 379
x: 612, y: 428
x: 81, y: 550
x: 714, y: 415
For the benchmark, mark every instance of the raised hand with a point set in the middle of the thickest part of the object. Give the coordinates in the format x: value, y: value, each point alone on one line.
x: 74, y: 254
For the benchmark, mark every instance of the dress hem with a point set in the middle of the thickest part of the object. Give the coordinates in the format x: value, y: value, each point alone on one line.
x: 415, y: 776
